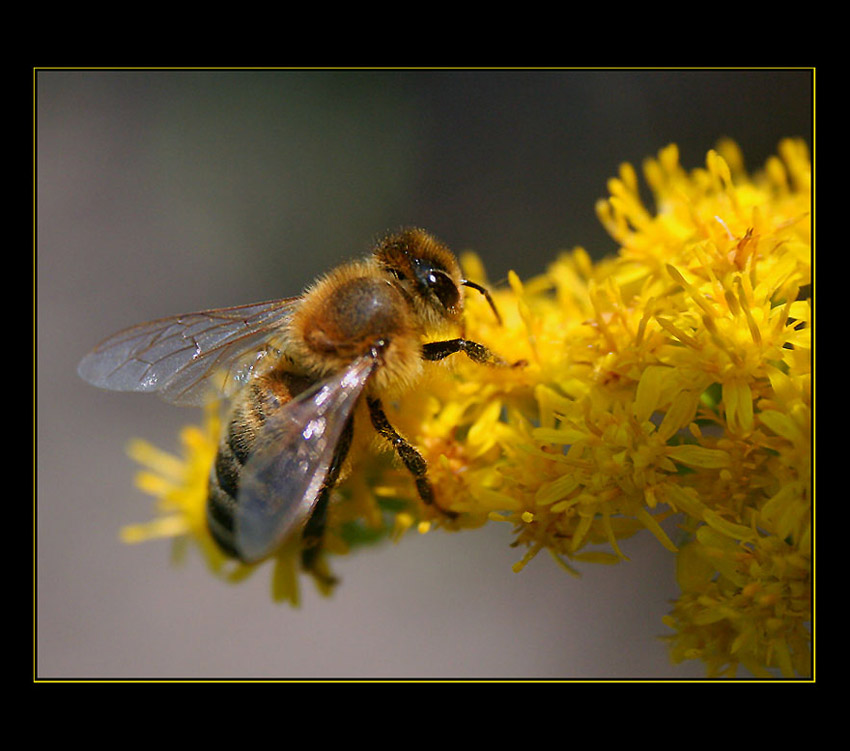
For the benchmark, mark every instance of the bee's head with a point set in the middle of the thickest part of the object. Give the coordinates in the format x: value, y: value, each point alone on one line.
x: 426, y: 269
x: 429, y: 273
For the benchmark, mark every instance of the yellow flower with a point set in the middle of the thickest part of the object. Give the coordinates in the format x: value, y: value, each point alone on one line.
x: 673, y: 379
x: 744, y: 601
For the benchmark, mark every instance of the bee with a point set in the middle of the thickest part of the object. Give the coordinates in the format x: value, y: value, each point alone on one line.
x: 295, y: 370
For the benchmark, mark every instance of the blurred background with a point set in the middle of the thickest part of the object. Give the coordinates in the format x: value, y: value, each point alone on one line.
x: 162, y: 192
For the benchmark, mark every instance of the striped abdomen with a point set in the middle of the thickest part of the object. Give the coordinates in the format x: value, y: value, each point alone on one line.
x: 259, y: 400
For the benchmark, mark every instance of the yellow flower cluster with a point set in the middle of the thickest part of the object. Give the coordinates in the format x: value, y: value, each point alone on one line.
x: 673, y: 380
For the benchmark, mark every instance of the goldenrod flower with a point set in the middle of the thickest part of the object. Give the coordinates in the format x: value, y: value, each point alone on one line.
x: 671, y: 380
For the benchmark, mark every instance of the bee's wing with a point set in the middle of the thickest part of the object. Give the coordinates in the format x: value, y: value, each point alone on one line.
x: 282, y: 480
x: 177, y: 356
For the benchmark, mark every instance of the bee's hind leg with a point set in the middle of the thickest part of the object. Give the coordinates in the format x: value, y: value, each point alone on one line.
x: 314, y: 530
x: 413, y: 460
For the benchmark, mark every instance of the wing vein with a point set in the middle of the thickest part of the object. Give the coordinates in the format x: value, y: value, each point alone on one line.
x: 179, y: 356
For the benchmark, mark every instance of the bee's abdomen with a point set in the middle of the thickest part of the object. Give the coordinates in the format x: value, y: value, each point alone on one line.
x: 259, y: 401
x: 221, y: 503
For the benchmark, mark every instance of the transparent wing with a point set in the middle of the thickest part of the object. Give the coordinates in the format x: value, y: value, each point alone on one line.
x: 178, y: 356
x: 284, y: 476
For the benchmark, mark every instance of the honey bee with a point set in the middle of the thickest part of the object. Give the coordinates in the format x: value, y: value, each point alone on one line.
x: 296, y: 369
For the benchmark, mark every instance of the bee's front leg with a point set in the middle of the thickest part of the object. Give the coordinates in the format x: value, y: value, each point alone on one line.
x: 473, y: 350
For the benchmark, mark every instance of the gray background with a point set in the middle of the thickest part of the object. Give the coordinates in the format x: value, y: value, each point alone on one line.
x: 160, y: 192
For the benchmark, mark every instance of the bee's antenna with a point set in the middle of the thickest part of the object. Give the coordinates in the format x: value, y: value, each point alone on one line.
x: 486, y: 293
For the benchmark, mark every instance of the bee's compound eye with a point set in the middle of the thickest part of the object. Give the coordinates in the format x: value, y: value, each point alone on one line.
x: 444, y: 288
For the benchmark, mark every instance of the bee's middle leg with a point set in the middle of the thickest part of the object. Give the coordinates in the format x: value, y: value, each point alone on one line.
x: 412, y: 459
